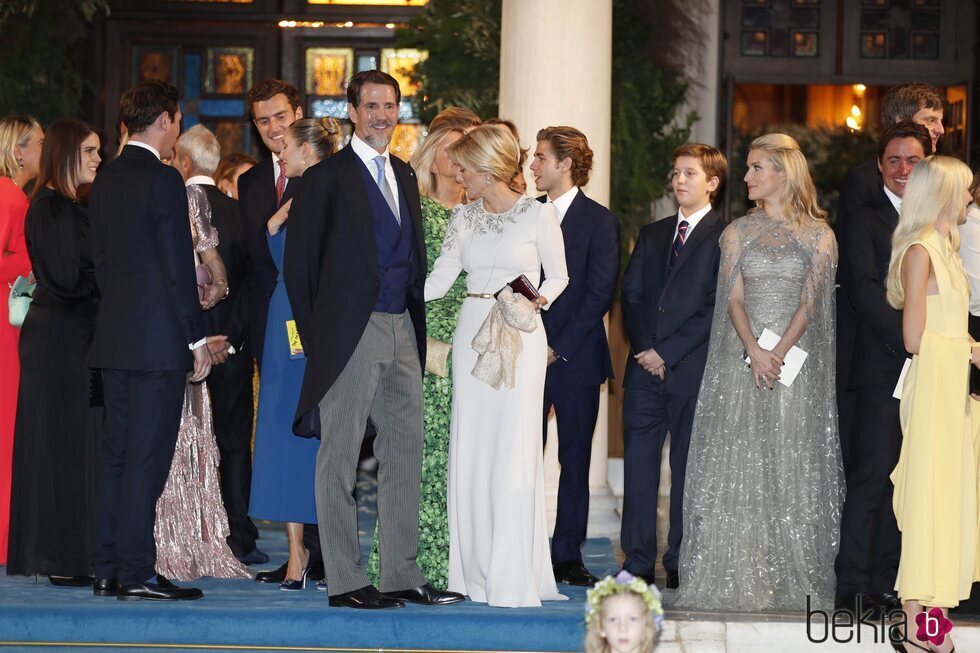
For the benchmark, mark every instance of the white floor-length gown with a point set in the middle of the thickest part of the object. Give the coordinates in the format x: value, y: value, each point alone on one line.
x: 498, y: 537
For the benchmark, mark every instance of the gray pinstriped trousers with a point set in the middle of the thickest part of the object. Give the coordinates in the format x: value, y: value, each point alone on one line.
x: 383, y: 381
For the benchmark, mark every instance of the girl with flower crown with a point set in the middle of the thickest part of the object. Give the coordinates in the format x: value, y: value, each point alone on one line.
x: 622, y: 615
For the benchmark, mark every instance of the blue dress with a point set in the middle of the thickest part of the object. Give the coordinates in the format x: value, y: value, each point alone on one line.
x: 284, y: 464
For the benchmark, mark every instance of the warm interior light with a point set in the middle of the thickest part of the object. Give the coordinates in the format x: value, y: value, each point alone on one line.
x: 860, y: 89
x: 853, y: 124
x: 855, y: 111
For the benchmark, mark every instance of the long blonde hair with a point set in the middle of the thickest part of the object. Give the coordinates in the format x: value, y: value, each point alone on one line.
x: 425, y: 155
x: 935, y: 186
x: 596, y: 643
x: 799, y: 198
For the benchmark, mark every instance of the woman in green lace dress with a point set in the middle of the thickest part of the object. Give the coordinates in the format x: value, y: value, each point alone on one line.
x: 440, y: 193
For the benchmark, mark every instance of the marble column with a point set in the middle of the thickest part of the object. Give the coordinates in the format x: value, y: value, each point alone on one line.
x: 556, y: 69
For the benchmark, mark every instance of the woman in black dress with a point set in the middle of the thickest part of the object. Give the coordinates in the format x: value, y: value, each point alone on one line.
x: 58, y: 435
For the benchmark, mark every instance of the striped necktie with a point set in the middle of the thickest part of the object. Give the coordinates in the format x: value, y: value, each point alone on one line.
x: 682, y: 228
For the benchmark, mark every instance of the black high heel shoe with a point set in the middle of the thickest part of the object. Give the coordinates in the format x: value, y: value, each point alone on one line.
x: 290, y: 585
x: 898, y: 640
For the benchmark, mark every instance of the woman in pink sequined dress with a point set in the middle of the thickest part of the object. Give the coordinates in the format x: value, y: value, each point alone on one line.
x: 191, y: 522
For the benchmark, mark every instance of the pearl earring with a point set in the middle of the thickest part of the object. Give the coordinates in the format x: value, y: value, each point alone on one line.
x: 20, y: 163
x: 488, y: 180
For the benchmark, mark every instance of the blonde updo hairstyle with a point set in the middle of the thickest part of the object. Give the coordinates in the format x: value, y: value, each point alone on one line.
x: 490, y: 149
x: 323, y: 135
x: 935, y: 188
x: 15, y: 131
x: 425, y: 155
x: 799, y: 198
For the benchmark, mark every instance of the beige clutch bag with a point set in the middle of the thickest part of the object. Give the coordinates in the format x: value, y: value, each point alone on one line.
x: 437, y: 356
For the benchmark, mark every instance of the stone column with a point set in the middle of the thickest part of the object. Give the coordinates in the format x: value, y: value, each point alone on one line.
x: 556, y: 69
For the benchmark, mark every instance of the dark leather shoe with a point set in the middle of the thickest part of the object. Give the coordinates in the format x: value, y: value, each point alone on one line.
x: 647, y: 578
x: 254, y: 557
x: 164, y: 582
x: 274, y: 576
x: 157, y: 592
x: 366, y: 598
x: 889, y: 602
x: 104, y: 587
x: 574, y: 573
x: 426, y: 595
x: 71, y: 581
x: 857, y: 604
x: 673, y: 580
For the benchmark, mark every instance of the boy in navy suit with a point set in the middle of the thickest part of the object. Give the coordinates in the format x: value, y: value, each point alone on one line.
x: 668, y: 301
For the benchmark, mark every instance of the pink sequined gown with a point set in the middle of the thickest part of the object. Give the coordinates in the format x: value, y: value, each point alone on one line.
x: 191, y: 522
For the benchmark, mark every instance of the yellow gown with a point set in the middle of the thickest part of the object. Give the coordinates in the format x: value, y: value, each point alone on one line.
x: 936, y: 490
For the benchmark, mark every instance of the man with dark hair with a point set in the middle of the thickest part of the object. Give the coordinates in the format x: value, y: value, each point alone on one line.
x: 149, y: 331
x: 274, y: 106
x: 867, y: 562
x: 668, y: 302
x: 354, y: 271
x: 578, y: 353
x: 915, y: 102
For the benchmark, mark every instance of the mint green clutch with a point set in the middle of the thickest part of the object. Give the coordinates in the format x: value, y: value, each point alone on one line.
x: 21, y: 292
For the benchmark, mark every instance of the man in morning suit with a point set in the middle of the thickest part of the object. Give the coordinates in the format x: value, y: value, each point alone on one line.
x: 578, y: 353
x: 354, y: 272
x: 274, y: 105
x: 668, y: 302
x: 919, y: 103
x: 867, y: 562
x: 148, y: 333
x: 196, y: 157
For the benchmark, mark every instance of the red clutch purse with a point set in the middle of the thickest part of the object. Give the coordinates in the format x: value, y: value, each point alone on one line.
x: 522, y: 286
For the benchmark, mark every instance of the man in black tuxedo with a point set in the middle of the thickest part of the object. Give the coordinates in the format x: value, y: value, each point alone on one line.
x: 274, y: 105
x: 354, y: 272
x: 578, y: 352
x: 668, y: 302
x: 867, y: 562
x: 149, y: 331
x: 921, y: 104
x: 196, y: 157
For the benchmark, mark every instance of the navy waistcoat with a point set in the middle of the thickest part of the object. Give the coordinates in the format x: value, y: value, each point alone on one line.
x: 396, y: 260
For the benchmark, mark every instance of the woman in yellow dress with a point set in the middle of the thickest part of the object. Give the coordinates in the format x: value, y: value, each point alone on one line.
x: 935, y: 497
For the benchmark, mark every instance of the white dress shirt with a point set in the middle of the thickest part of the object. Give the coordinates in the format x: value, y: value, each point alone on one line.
x: 563, y: 201
x: 970, y: 253
x: 367, y: 155
x: 276, y: 168
x: 692, y: 221
x: 145, y: 146
x: 894, y: 199
x: 199, y: 180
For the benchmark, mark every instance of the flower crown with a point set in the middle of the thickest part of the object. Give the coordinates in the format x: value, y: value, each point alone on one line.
x: 624, y: 581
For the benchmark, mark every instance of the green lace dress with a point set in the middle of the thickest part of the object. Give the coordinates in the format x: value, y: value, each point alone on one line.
x: 437, y: 396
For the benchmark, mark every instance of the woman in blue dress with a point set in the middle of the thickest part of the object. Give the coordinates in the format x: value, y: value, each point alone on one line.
x: 284, y: 464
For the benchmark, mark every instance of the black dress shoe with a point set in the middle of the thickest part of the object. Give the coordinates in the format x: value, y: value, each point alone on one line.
x: 104, y: 587
x: 673, y: 580
x: 889, y: 602
x: 574, y: 573
x: 157, y: 592
x: 274, y: 576
x: 857, y: 604
x: 366, y: 598
x: 71, y: 581
x: 426, y: 595
x: 254, y: 557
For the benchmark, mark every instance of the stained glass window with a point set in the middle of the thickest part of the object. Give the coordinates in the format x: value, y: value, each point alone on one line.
x: 328, y: 70
x: 900, y: 29
x: 400, y: 64
x: 229, y: 71
x: 780, y: 28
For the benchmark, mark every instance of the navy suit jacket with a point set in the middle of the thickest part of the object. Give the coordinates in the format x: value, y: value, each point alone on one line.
x: 230, y: 316
x: 574, y: 323
x: 257, y: 202
x: 144, y: 265
x: 671, y: 310
x: 865, y: 241
x: 858, y: 187
x: 331, y: 270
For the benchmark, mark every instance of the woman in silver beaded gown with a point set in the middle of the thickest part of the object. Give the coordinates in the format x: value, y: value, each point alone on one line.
x: 764, y: 482
x: 191, y: 523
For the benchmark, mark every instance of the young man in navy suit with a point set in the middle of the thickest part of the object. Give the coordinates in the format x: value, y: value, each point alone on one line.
x: 274, y: 105
x: 668, y: 302
x: 149, y: 332
x: 870, y: 543
x: 578, y: 353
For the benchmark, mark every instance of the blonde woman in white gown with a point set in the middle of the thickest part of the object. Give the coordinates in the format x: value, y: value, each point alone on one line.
x: 498, y: 538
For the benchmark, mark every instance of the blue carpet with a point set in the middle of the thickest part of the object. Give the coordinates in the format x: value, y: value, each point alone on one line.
x: 245, y: 615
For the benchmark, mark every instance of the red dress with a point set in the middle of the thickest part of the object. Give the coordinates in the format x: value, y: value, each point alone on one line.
x: 14, y: 262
